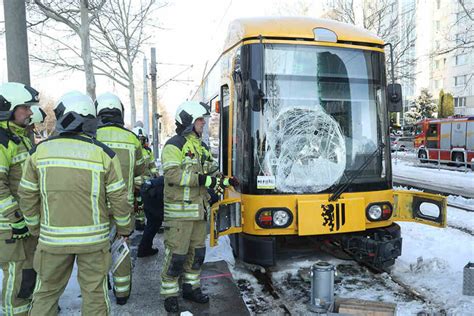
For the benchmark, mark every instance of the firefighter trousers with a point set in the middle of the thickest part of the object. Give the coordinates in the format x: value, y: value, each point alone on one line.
x: 184, y: 255
x: 16, y: 258
x: 54, y: 271
x: 122, y: 277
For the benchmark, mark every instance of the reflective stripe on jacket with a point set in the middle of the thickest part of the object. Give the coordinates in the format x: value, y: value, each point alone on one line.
x: 14, y: 146
x: 64, y: 191
x: 183, y: 159
x: 128, y: 148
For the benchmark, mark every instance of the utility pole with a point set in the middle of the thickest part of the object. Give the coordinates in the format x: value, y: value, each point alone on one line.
x: 16, y: 41
x: 146, y: 118
x: 154, y: 102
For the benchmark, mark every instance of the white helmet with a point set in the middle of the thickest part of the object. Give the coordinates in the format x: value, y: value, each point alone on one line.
x: 108, y: 101
x: 188, y: 112
x: 75, y: 112
x: 13, y: 94
x: 75, y: 101
x: 139, y: 131
x: 38, y: 115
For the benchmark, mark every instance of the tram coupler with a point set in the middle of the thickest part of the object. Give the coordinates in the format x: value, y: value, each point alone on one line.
x: 377, y: 247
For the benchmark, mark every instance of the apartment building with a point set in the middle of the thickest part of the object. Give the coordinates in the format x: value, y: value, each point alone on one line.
x: 445, y: 40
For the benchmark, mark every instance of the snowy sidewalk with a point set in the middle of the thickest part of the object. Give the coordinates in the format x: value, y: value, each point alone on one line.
x: 449, y: 181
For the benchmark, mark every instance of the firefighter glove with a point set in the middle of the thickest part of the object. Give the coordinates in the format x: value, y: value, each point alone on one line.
x: 19, y: 230
x: 233, y: 181
x: 215, y: 183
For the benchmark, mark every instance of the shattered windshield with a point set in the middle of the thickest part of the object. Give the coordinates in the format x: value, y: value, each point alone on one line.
x: 322, y: 116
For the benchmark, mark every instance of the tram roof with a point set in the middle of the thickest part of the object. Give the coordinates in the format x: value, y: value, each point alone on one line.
x: 296, y: 28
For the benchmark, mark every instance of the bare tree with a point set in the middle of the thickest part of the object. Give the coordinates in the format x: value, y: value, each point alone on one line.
x: 459, y: 35
x: 76, y: 16
x: 118, y: 34
x: 385, y: 20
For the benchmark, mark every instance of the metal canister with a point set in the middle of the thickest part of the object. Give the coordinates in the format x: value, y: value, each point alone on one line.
x: 322, y: 287
x: 468, y: 279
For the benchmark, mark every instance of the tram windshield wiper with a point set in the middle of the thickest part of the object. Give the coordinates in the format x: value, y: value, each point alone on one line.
x: 343, y: 187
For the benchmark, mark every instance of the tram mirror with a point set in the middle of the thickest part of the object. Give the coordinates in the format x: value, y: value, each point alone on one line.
x: 255, y: 95
x: 394, y: 97
x: 429, y: 209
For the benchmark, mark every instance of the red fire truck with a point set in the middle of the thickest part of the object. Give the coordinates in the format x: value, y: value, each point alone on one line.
x: 448, y: 139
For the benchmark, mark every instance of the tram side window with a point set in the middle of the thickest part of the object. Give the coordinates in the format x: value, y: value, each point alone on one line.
x: 224, y: 130
x: 214, y: 130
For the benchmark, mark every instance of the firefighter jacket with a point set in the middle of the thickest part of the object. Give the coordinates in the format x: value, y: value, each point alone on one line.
x: 128, y: 148
x: 14, y: 146
x: 150, y: 159
x: 150, y: 169
x: 184, y: 158
x: 66, y: 185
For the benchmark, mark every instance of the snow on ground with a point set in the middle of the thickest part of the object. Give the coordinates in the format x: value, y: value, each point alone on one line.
x: 461, y: 178
x: 432, y: 261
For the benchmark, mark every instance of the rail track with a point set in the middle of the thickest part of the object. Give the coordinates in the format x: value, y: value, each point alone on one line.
x: 290, y: 295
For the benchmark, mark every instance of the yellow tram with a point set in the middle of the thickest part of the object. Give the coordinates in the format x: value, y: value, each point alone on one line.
x: 302, y: 107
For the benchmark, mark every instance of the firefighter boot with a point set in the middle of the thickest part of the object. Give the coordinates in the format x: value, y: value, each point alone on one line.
x: 139, y: 225
x: 122, y: 300
x: 194, y: 295
x: 171, y: 304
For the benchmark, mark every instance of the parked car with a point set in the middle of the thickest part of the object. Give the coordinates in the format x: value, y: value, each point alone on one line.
x: 403, y: 143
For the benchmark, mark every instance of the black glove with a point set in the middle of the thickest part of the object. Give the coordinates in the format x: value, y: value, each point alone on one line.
x: 19, y: 230
x: 233, y: 181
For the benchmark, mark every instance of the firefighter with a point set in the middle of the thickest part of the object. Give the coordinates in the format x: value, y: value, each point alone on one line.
x: 16, y: 245
x: 150, y: 173
x: 147, y: 152
x: 66, y: 185
x: 125, y: 144
x: 186, y: 162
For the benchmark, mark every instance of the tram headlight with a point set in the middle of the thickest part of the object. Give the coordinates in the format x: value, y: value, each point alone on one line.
x: 374, y: 213
x: 274, y: 217
x: 280, y: 218
x: 379, y: 211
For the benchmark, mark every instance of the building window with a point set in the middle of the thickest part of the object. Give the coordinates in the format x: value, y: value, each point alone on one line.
x: 438, y: 4
x: 460, y: 80
x: 459, y: 102
x: 459, y: 39
x: 437, y: 25
x: 437, y: 63
x: 461, y: 59
x: 436, y: 84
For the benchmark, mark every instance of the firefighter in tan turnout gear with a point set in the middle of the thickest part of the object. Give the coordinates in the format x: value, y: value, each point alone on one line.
x: 126, y: 145
x: 186, y: 162
x: 66, y: 185
x: 16, y: 245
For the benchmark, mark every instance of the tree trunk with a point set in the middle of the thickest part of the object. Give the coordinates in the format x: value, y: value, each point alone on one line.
x: 131, y: 93
x: 86, y: 50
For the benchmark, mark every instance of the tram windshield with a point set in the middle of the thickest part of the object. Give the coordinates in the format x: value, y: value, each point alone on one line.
x: 323, y: 115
